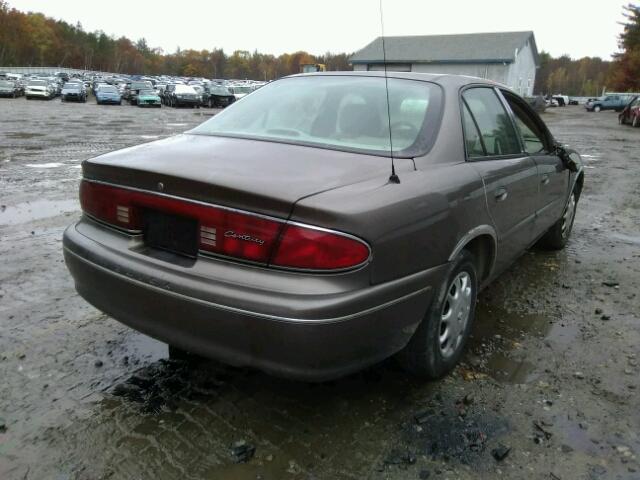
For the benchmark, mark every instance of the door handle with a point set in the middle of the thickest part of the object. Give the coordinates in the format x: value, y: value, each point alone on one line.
x: 545, y: 179
x: 501, y: 194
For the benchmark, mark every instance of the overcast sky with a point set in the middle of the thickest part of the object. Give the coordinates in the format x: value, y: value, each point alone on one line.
x: 576, y: 27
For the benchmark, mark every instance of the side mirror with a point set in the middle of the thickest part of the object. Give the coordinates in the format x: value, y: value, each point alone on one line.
x: 570, y: 158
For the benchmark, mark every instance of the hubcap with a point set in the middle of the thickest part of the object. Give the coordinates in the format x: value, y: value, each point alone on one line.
x: 455, y: 314
x: 567, y: 218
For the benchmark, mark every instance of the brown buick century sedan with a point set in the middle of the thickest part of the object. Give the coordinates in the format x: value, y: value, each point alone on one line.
x: 282, y: 233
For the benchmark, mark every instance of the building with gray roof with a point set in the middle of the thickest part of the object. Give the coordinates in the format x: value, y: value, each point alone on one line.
x: 510, y: 58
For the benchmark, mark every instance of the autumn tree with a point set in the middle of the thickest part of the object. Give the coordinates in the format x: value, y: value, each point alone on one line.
x: 625, y: 75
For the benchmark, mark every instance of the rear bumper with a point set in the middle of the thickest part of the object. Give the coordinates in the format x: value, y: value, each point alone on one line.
x: 72, y: 96
x: 304, y: 336
x: 149, y: 103
x: 38, y: 94
x: 187, y: 101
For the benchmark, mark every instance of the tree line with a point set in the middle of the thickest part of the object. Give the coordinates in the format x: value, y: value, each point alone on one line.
x: 33, y: 39
x: 590, y: 76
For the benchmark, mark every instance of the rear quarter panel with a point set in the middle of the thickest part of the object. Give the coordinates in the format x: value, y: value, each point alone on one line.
x: 410, y: 226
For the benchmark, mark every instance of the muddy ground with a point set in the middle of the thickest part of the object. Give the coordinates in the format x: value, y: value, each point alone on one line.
x: 550, y: 381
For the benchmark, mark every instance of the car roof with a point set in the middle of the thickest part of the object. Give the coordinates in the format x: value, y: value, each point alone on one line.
x: 445, y: 79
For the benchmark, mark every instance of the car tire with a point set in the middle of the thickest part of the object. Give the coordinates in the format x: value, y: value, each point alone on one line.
x: 558, y: 235
x: 636, y: 121
x: 431, y: 353
x: 621, y: 120
x: 597, y: 108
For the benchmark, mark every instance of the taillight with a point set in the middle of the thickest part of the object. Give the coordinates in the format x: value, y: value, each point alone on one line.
x: 221, y: 231
x: 309, y: 248
x: 109, y: 204
x: 228, y: 232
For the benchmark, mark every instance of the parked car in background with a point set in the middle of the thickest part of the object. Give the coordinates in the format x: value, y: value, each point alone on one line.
x: 630, y: 115
x: 562, y: 100
x: 39, y: 89
x: 74, y: 92
x: 108, y: 95
x: 149, y: 98
x: 615, y: 102
x: 183, y: 95
x: 322, y: 261
x: 132, y: 89
x: 218, y: 96
x: 240, y: 91
x: 9, y: 89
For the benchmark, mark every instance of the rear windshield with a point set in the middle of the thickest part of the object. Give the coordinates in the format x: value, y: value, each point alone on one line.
x: 185, y: 89
x: 108, y: 89
x: 339, y: 112
x: 37, y: 83
x: 241, y: 89
x: 139, y: 85
x: 220, y: 91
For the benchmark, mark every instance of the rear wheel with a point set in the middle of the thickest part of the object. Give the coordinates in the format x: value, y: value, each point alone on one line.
x: 438, y: 342
x: 636, y: 121
x: 558, y: 235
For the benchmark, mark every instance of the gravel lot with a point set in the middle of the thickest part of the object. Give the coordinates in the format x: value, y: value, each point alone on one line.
x: 552, y: 372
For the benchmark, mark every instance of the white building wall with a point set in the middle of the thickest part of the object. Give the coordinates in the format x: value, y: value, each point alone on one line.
x: 522, y: 72
x: 519, y: 76
x: 495, y: 72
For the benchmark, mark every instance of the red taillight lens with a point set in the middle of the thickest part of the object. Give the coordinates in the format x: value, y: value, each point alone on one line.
x: 228, y: 232
x: 109, y: 204
x: 221, y: 231
x: 315, y: 249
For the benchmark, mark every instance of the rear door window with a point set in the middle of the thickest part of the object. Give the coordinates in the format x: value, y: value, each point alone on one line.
x: 473, y: 141
x: 496, y: 129
x: 533, y: 137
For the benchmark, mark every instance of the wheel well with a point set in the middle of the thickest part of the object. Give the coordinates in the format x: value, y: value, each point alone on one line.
x: 483, y: 250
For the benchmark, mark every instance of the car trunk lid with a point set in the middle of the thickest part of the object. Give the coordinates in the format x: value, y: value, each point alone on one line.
x: 228, y: 197
x: 257, y: 176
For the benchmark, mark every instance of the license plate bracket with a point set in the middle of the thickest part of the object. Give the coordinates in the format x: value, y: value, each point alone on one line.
x: 173, y: 233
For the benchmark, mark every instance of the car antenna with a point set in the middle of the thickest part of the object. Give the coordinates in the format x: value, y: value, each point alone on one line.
x: 393, y: 178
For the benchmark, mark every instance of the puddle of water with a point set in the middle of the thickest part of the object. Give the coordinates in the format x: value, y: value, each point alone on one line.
x: 574, y: 436
x: 177, y: 124
x: 24, y: 135
x: 630, y: 239
x: 149, y: 137
x: 497, y: 333
x: 144, y: 347
x: 36, y: 210
x: 45, y: 165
